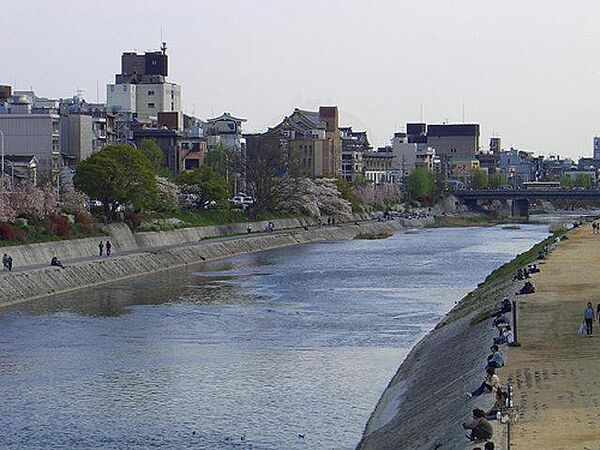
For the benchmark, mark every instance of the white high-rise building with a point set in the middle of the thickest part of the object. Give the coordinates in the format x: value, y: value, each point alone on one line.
x: 141, y: 88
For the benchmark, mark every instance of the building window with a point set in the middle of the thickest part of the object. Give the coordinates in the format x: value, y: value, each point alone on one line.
x: 124, y: 88
x: 151, y: 105
x: 150, y: 92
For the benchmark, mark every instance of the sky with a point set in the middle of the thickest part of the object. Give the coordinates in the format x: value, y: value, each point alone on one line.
x: 525, y: 70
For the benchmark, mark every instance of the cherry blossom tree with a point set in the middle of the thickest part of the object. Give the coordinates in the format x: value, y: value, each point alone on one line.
x: 73, y: 201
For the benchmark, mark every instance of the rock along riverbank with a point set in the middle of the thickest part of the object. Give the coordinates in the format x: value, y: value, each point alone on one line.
x: 143, y: 253
x: 425, y: 402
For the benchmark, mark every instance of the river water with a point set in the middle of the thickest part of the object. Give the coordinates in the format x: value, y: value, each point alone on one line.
x: 244, y: 353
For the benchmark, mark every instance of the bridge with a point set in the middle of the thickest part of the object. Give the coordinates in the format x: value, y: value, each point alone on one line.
x: 520, y: 197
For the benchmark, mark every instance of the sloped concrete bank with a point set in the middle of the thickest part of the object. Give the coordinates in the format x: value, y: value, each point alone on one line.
x: 425, y: 403
x: 124, y: 240
x: 22, y: 286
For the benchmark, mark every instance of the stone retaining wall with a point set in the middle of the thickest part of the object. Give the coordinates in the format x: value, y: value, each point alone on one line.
x: 21, y: 286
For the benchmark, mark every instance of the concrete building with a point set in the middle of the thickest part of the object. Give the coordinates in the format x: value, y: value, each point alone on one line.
x: 378, y: 165
x: 21, y: 167
x: 141, y: 90
x: 84, y: 129
x: 354, y: 145
x: 33, y: 134
x: 310, y: 141
x: 518, y: 166
x: 597, y: 147
x: 180, y: 151
x: 495, y: 145
x: 410, y: 150
x: 460, y: 169
x: 457, y: 141
x: 416, y: 133
x: 225, y: 129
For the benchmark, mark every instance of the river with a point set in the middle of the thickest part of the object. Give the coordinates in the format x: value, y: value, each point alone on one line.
x: 285, y: 349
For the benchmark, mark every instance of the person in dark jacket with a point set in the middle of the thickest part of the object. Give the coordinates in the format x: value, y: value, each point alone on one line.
x: 481, y: 428
x: 108, y: 248
x: 588, y: 317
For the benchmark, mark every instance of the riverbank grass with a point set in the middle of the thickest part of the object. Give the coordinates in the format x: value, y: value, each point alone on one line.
x: 372, y: 236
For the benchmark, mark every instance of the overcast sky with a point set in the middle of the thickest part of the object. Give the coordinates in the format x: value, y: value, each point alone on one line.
x: 526, y: 70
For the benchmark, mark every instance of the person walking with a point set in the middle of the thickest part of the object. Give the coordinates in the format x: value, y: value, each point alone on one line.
x: 588, y: 317
x: 100, y: 248
x: 4, y: 261
x: 108, y: 248
x: 9, y: 263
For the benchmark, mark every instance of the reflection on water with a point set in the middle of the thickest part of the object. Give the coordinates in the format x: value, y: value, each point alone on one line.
x: 267, y: 346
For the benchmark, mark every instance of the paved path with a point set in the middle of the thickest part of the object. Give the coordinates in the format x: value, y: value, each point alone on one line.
x: 557, y: 372
x: 116, y: 254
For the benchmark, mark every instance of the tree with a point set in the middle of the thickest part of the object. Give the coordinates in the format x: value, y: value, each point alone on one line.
x: 34, y: 202
x: 213, y: 187
x: 315, y: 198
x: 118, y: 175
x: 218, y: 159
x: 348, y: 193
x: 479, y: 179
x: 584, y: 180
x: 168, y: 194
x: 496, y: 180
x: 153, y: 152
x: 567, y: 182
x: 266, y: 167
x: 73, y: 201
x: 359, y: 180
x: 420, y: 183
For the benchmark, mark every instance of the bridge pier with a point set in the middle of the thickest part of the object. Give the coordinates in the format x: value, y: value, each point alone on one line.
x: 520, y: 208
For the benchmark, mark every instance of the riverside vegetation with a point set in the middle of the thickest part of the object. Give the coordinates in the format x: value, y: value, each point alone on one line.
x: 126, y: 184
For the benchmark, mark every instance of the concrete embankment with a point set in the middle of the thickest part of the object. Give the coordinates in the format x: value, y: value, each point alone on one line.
x: 425, y: 402
x: 123, y: 240
x: 160, y: 251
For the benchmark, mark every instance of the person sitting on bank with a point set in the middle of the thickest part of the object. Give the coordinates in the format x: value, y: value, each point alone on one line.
x: 481, y: 428
x: 499, y: 407
x: 506, y: 336
x: 56, y: 262
x: 505, y: 307
x: 533, y: 268
x: 490, y: 383
x: 496, y: 358
x: 500, y: 320
x: 528, y: 288
x: 519, y: 275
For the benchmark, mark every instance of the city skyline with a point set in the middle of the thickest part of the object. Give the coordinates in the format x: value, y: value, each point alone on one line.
x: 529, y: 77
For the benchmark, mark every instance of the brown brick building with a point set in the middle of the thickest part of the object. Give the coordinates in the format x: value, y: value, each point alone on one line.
x: 310, y: 141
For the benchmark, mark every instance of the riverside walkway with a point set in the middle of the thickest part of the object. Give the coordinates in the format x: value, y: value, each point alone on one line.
x: 556, y: 372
